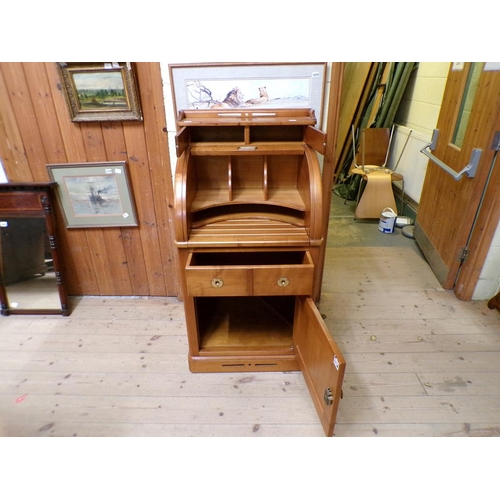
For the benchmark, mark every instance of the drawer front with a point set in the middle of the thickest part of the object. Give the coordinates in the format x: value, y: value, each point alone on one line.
x: 22, y: 201
x: 218, y: 281
x: 283, y: 280
x: 261, y: 275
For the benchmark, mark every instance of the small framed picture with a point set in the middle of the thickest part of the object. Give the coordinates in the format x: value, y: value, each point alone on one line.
x: 94, y: 194
x: 100, y: 91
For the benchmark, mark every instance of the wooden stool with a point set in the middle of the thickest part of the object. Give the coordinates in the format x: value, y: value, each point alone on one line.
x: 378, y: 193
x: 495, y: 302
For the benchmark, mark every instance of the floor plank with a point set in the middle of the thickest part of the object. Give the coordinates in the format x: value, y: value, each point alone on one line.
x: 419, y: 363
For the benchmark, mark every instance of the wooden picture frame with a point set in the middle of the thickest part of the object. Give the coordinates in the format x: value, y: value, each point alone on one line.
x: 94, y: 194
x: 100, y: 91
x: 248, y: 85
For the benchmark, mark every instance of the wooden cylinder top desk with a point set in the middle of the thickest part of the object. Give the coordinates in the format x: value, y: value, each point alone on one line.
x: 248, y: 209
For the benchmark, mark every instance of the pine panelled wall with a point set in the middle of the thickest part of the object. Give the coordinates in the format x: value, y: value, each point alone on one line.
x: 36, y: 130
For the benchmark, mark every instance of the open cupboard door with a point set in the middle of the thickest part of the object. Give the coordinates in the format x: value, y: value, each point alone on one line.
x: 320, y: 360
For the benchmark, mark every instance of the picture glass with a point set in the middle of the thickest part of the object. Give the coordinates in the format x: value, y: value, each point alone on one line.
x: 268, y: 85
x: 100, y: 90
x: 271, y: 92
x: 94, y: 194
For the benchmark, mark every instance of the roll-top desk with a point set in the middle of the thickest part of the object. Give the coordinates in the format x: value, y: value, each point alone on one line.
x: 248, y: 208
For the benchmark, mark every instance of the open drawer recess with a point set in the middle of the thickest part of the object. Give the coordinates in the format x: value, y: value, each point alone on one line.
x: 249, y: 273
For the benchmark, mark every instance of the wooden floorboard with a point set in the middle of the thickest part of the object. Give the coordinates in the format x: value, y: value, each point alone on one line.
x: 419, y: 363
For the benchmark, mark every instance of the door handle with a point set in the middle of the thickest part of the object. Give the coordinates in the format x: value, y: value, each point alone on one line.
x: 469, y: 169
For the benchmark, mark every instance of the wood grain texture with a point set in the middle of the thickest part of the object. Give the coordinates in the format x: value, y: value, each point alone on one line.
x: 447, y: 207
x: 420, y: 362
x: 36, y: 130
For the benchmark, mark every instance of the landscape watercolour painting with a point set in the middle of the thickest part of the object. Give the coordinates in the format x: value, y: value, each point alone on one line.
x: 100, y: 91
x: 96, y: 90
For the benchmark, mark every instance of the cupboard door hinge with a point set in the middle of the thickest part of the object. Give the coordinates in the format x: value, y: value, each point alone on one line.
x: 328, y: 396
x: 463, y: 254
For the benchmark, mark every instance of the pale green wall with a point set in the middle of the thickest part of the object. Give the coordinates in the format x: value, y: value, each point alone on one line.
x: 415, y: 121
x: 419, y: 108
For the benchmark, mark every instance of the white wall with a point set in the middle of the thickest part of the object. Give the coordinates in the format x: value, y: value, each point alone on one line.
x: 415, y: 121
x: 170, y: 115
x: 421, y: 103
x: 3, y: 177
x: 489, y: 280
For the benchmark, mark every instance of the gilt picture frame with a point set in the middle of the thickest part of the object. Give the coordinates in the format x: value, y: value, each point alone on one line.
x: 100, y: 91
x: 248, y: 85
x: 94, y: 194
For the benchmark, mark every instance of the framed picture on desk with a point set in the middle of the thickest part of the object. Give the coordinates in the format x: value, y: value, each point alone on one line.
x: 248, y: 85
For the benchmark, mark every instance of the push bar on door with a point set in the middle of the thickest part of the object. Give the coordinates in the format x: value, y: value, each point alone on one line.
x: 469, y: 169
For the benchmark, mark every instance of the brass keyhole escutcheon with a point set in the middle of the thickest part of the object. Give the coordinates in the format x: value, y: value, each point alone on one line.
x: 283, y: 281
x: 217, y: 282
x: 328, y: 396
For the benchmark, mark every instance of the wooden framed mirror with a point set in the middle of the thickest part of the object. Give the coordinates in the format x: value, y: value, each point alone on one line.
x: 31, y: 280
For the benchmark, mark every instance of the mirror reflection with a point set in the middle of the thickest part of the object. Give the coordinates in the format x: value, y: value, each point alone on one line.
x: 26, y: 264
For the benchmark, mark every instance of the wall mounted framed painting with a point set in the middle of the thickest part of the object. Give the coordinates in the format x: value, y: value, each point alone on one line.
x: 248, y: 85
x: 100, y: 91
x: 94, y: 194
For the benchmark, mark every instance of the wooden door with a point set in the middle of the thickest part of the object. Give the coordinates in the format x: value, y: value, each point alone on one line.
x: 456, y: 216
x: 320, y: 360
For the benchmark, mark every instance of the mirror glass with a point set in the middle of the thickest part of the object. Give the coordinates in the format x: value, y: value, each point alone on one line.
x: 26, y: 264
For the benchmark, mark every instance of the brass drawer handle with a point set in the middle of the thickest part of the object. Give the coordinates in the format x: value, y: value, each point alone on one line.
x: 217, y: 282
x: 283, y: 281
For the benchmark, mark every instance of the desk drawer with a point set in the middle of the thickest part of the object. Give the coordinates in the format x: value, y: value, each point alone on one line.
x: 249, y: 273
x: 217, y: 281
x: 22, y: 201
x: 285, y: 279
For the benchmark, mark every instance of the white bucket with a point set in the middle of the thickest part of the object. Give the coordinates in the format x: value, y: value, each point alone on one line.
x: 387, y: 220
